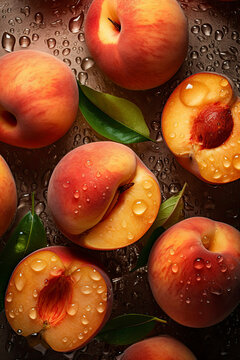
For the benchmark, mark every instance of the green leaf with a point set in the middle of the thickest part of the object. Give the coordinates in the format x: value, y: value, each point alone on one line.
x: 28, y: 236
x: 114, y: 118
x: 170, y: 213
x: 128, y: 329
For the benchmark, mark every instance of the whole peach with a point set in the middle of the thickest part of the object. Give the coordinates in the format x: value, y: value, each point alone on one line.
x: 194, y: 271
x: 60, y: 294
x: 156, y: 348
x: 8, y: 196
x: 137, y: 44
x: 102, y: 196
x: 38, y: 99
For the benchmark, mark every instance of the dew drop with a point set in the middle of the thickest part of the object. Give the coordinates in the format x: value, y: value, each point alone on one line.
x: 82, y: 77
x: 198, y: 263
x: 85, y: 289
x: 215, y: 290
x: 53, y: 258
x: 9, y: 297
x: 76, y: 194
x: 19, y: 282
x: 206, y: 29
x: 172, y: 252
x: 95, y: 275
x: 174, y: 268
x: 20, y: 309
x: 88, y: 308
x: 139, y: 207
x: 35, y: 293
x: 65, y: 339
x: 84, y: 187
x: 80, y: 336
x: 193, y: 93
x: 66, y: 184
x: 38, y: 18
x: 75, y: 23
x: 72, y: 310
x: 104, y: 297
x: 85, y: 331
x: 188, y: 300
x: 24, y: 41
x: 77, y: 275
x: 19, y: 331
x: 51, y: 43
x: 11, y: 314
x: 35, y: 37
x: 236, y: 162
x: 100, y: 289
x: 223, y: 267
x: 206, y: 241
x: 198, y: 277
x: 66, y: 52
x: 218, y: 35
x: 130, y: 236
x: 87, y: 63
x: 84, y: 320
x: 98, y: 174
x: 219, y: 258
x: 100, y: 308
x: 208, y: 264
x: 8, y: 42
x: 38, y: 265
x: 32, y: 313
x: 226, y: 162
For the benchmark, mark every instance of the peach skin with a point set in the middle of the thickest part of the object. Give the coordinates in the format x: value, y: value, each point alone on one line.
x: 38, y: 99
x: 58, y: 294
x: 201, y: 126
x: 156, y: 348
x: 137, y: 44
x: 194, y: 271
x: 8, y: 196
x: 102, y: 196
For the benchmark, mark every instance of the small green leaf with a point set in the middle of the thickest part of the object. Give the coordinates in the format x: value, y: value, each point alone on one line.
x: 114, y: 118
x: 28, y: 236
x: 170, y: 213
x: 128, y: 329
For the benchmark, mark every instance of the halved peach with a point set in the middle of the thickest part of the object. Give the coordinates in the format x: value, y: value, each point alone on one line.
x: 57, y: 293
x: 201, y: 126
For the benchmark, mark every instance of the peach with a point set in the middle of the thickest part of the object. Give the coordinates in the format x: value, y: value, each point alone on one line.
x: 60, y: 295
x: 38, y: 99
x: 201, y: 125
x: 194, y: 271
x: 102, y: 196
x: 137, y: 44
x: 159, y: 347
x: 8, y: 196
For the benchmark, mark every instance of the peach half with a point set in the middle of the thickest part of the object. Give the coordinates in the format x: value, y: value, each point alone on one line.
x: 56, y: 293
x: 38, y: 99
x: 201, y: 126
x: 102, y: 196
x: 8, y: 196
x: 156, y: 348
x: 194, y: 271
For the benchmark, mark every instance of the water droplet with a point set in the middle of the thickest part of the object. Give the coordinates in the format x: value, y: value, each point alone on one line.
x: 87, y: 63
x: 72, y: 310
x: 193, y: 93
x: 88, y: 308
x: 84, y: 187
x: 8, y: 42
x: 32, y: 313
x: 66, y: 52
x: 11, y: 314
x: 38, y: 18
x: 20, y: 309
x: 198, y: 263
x: 85, y: 331
x: 82, y: 77
x: 174, y: 268
x: 147, y: 184
x: 188, y: 300
x: 75, y: 23
x: 9, y: 297
x: 76, y: 194
x: 25, y: 10
x: 198, y: 277
x: 24, y: 41
x: 195, y: 29
x: 19, y: 282
x: 124, y: 224
x: 84, y: 320
x: 223, y: 267
x: 130, y: 236
x: 236, y: 162
x: 35, y: 37
x: 53, y: 258
x: 35, y: 293
x: 219, y: 258
x: 66, y: 184
x: 51, y: 43
x: 226, y: 162
x: 80, y: 336
x: 208, y: 264
x: 95, y: 275
x: 139, y: 207
x: 65, y: 339
x: 19, y: 331
x: 100, y: 308
x: 85, y: 289
x: 218, y: 35
x: 56, y: 271
x: 215, y: 290
x: 217, y: 174
x: 206, y: 29
x: 38, y: 265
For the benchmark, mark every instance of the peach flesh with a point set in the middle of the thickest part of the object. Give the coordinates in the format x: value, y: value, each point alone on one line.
x: 194, y: 271
x: 59, y: 295
x: 212, y: 126
x: 156, y: 348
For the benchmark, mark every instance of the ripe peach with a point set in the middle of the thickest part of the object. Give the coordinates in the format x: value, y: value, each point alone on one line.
x: 137, y: 44
x: 8, y: 196
x: 201, y: 125
x: 159, y: 347
x: 102, y: 196
x: 194, y: 271
x: 59, y: 294
x: 38, y: 99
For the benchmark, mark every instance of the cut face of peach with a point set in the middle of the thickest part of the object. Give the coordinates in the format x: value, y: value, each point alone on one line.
x: 66, y: 304
x: 201, y: 126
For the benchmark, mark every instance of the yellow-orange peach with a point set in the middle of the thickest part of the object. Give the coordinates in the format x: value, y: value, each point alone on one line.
x: 156, y: 348
x: 59, y: 294
x: 38, y: 99
x: 137, y: 44
x: 102, y: 196
x: 201, y: 126
x: 8, y: 196
x: 194, y: 271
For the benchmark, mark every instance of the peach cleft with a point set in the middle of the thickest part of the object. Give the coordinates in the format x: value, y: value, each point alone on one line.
x: 60, y: 295
x: 102, y: 196
x: 201, y: 125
